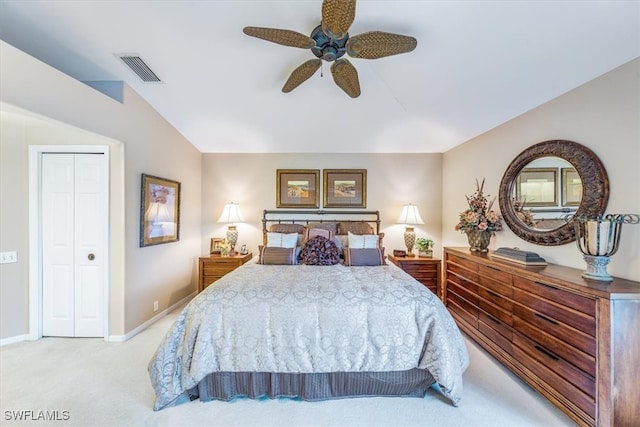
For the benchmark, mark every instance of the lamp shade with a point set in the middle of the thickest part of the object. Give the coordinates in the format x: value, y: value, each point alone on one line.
x: 410, y: 215
x: 157, y: 212
x: 231, y: 214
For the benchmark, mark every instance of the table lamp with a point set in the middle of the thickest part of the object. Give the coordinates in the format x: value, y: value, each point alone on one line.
x: 410, y: 216
x: 231, y: 215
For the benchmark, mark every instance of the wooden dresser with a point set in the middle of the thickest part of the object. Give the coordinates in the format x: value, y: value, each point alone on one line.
x: 575, y: 341
x: 424, y: 270
x: 211, y: 268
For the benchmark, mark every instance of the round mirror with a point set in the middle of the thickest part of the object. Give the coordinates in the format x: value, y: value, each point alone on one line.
x: 548, y: 181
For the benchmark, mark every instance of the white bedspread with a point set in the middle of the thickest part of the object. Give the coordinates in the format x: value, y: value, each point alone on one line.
x: 304, y: 319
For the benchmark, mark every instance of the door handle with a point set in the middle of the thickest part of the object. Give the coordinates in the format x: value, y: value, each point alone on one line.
x: 91, y: 257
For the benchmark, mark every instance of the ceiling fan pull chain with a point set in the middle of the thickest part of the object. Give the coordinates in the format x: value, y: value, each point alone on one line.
x: 322, y: 69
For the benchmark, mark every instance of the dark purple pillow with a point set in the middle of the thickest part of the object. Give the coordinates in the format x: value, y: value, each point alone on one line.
x: 320, y: 251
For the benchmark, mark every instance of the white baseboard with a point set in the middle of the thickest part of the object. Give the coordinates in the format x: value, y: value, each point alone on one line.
x: 115, y: 338
x: 154, y: 319
x: 13, y: 340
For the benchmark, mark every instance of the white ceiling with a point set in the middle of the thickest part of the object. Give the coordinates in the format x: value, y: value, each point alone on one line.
x: 478, y: 64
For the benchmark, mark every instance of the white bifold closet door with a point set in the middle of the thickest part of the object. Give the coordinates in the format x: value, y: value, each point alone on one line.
x: 74, y: 244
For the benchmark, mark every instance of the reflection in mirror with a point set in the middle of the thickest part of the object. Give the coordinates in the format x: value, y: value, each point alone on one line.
x: 547, y: 189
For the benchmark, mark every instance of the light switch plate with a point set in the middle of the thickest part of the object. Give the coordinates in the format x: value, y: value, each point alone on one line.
x: 8, y: 257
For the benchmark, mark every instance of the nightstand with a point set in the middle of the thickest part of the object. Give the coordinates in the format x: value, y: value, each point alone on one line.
x: 424, y: 270
x: 213, y: 267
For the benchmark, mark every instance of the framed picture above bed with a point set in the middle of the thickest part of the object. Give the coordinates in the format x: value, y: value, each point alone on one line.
x: 159, y: 211
x: 297, y: 188
x: 345, y: 188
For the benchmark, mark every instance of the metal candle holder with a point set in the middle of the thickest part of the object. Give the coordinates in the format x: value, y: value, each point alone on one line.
x: 598, y: 239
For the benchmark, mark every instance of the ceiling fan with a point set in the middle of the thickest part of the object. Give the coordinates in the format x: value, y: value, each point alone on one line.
x: 330, y: 40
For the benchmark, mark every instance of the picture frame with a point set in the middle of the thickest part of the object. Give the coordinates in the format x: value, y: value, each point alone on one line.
x: 571, y: 187
x: 344, y: 188
x: 297, y: 188
x: 537, y: 186
x: 159, y: 211
x: 214, y: 248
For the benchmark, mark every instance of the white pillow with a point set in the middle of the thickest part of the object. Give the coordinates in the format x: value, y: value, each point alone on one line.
x: 282, y: 240
x: 363, y: 241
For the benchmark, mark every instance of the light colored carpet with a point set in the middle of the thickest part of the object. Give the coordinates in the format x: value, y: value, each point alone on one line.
x: 106, y: 384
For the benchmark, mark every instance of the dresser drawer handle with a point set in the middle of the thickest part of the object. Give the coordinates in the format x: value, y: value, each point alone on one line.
x: 493, y: 294
x: 548, y: 286
x: 493, y: 319
x: 547, y: 352
x: 546, y: 319
x: 493, y: 268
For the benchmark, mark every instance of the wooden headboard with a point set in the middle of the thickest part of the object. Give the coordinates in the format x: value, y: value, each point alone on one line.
x: 301, y: 216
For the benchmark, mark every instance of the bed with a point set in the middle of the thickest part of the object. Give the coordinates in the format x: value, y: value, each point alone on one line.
x: 354, y: 328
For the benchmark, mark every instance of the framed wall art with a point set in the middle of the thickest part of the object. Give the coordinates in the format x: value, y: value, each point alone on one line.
x: 159, y: 211
x: 345, y: 188
x: 537, y: 186
x: 297, y: 188
x: 571, y: 187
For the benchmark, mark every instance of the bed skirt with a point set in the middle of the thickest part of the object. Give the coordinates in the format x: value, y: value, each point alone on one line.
x: 227, y: 386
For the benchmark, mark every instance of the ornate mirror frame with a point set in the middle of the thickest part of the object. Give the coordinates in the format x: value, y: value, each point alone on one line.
x: 595, y: 189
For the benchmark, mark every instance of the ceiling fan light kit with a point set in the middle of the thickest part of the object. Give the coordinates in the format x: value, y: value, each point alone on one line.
x: 330, y: 40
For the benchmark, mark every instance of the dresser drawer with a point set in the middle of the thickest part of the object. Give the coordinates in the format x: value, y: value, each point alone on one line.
x: 463, y: 292
x: 463, y: 282
x: 495, y: 274
x: 207, y: 280
x: 496, y: 324
x: 555, y: 312
x: 562, y: 373
x: 494, y: 310
x: 495, y: 298
x: 580, y: 351
x: 472, y: 266
x: 213, y: 268
x: 576, y: 338
x: 577, y: 302
x: 216, y: 269
x: 462, y: 307
x: 496, y: 287
x: 462, y: 272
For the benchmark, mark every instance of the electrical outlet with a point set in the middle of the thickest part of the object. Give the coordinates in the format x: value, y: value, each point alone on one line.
x: 8, y: 257
x: 155, y: 306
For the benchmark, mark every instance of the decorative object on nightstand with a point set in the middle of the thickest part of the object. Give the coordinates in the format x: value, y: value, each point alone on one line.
x: 425, y: 247
x: 231, y: 215
x: 598, y: 239
x: 410, y: 216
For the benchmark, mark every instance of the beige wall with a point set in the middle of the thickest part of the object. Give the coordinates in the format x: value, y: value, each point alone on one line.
x: 603, y: 115
x: 143, y: 143
x: 392, y: 181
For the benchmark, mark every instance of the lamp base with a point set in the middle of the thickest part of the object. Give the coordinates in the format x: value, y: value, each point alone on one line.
x: 232, y: 238
x: 597, y: 268
x: 409, y: 240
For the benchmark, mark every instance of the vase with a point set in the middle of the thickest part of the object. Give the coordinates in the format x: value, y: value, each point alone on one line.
x: 479, y: 240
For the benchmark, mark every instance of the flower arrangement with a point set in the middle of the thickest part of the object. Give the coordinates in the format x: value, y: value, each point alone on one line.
x: 523, y: 214
x: 225, y: 248
x: 479, y: 216
x: 423, y: 244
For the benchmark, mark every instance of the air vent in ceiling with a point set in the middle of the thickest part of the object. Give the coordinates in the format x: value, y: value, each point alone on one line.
x: 139, y: 67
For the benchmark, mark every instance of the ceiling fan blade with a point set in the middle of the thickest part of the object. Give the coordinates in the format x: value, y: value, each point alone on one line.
x: 346, y: 77
x: 301, y: 74
x: 378, y: 44
x: 283, y: 37
x: 337, y: 17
